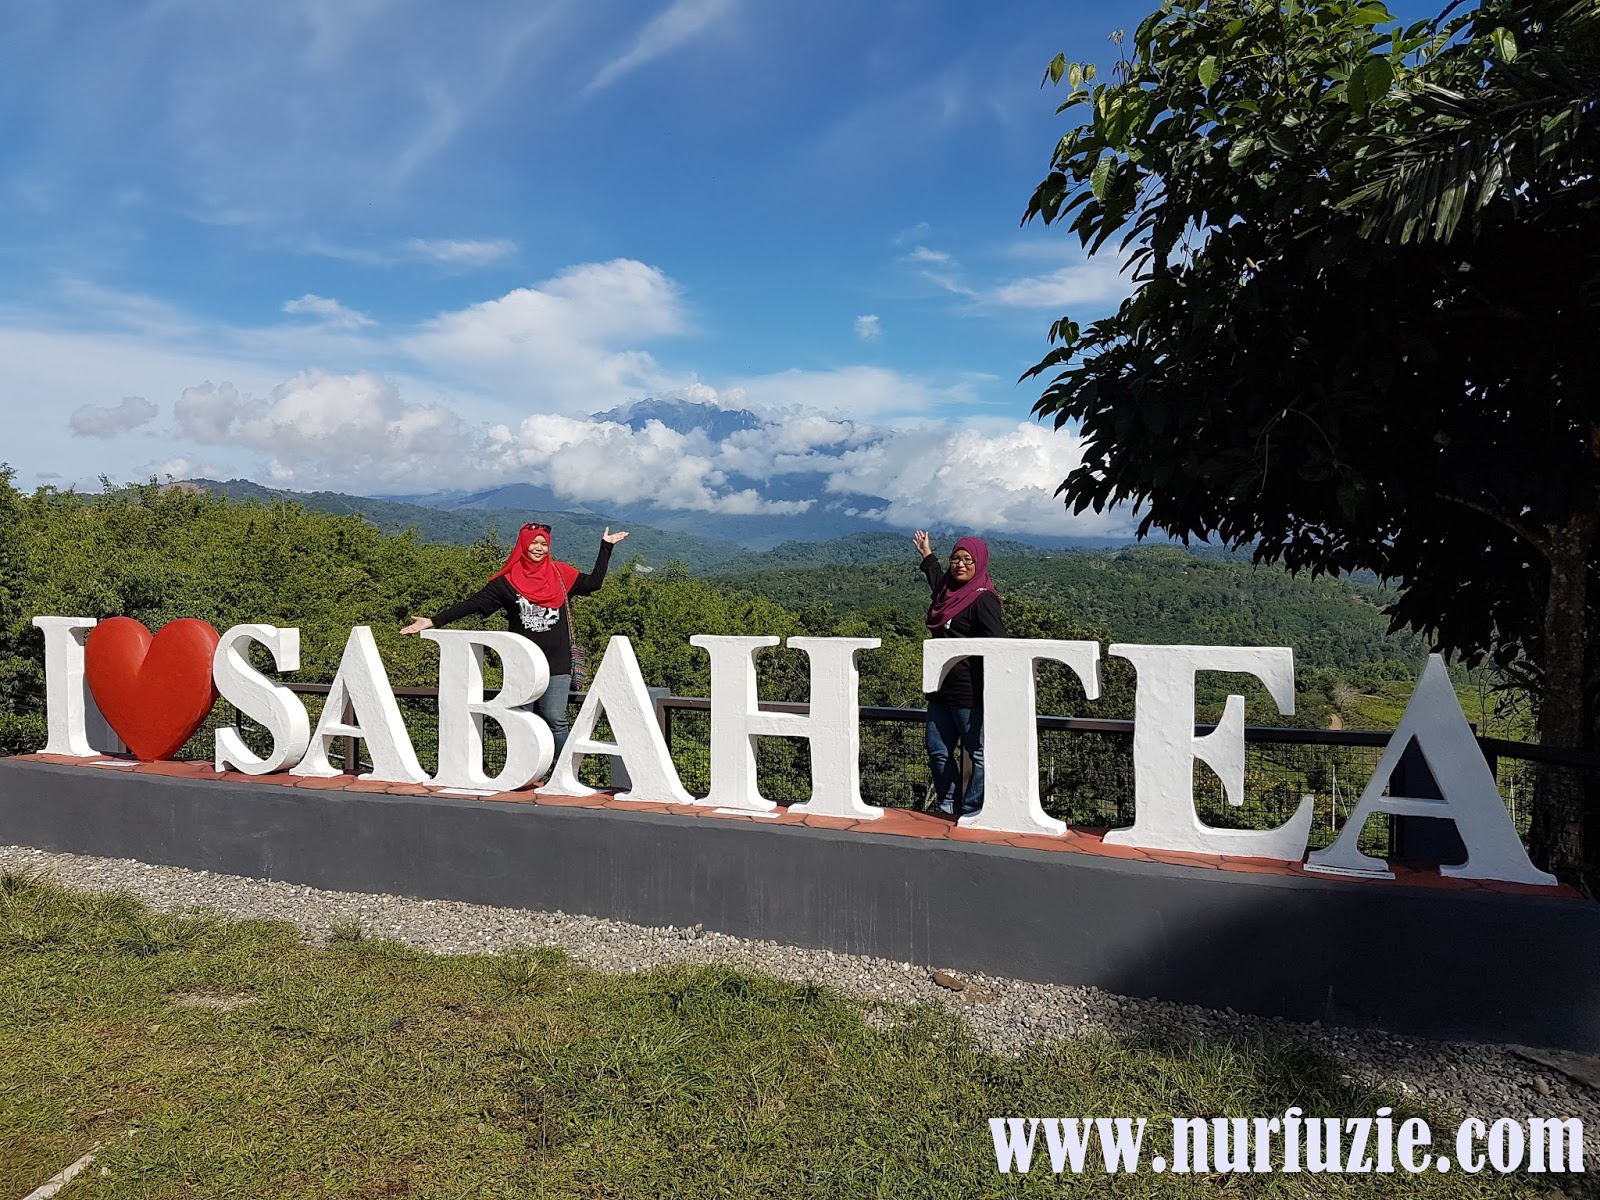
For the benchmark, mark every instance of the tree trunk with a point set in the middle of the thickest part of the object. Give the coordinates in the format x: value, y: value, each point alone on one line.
x: 1556, y: 837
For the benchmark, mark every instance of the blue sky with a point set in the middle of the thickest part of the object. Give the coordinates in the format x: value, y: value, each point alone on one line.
x: 380, y: 246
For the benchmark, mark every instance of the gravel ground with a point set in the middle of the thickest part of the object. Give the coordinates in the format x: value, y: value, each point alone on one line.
x: 1006, y: 1014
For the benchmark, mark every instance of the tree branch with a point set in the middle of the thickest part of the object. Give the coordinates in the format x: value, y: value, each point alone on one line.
x: 1525, y: 530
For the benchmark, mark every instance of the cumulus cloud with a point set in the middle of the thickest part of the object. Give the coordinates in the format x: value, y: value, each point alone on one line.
x: 357, y: 431
x: 867, y: 328
x: 111, y: 420
x: 458, y: 253
x: 979, y: 477
x: 321, y: 426
x: 330, y: 312
x: 568, y: 344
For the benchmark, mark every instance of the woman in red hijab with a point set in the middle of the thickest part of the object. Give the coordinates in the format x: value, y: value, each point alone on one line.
x: 965, y: 605
x: 533, y: 590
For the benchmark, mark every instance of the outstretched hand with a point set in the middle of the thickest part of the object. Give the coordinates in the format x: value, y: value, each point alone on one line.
x: 418, y: 624
x: 613, y: 538
x: 924, y: 547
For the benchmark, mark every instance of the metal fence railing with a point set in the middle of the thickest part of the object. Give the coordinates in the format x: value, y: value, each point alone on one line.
x: 1085, y: 767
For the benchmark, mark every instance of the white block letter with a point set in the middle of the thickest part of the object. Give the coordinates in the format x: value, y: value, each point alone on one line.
x: 1011, y: 720
x: 1471, y: 798
x: 66, y: 695
x: 362, y: 705
x: 524, y: 673
x: 737, y: 720
x: 257, y: 697
x: 618, y: 687
x: 834, y: 727
x: 1165, y: 747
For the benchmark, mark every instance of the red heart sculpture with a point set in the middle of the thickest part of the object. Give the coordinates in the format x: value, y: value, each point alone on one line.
x: 154, y: 692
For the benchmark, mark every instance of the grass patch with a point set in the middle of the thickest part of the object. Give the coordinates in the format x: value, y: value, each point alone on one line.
x: 366, y: 1069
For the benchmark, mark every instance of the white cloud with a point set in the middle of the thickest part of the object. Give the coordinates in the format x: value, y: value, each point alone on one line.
x: 922, y: 254
x: 1096, y: 282
x: 671, y: 28
x: 332, y: 313
x: 974, y: 476
x: 459, y: 253
x: 868, y: 328
x: 570, y: 344
x: 111, y: 420
x: 860, y: 392
x: 321, y: 426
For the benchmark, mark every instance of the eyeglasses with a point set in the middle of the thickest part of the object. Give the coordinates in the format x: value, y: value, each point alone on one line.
x: 965, y: 560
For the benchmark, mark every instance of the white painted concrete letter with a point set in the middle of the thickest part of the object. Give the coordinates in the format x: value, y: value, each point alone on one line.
x: 1165, y: 747
x: 736, y: 722
x: 1471, y: 798
x: 524, y: 674
x: 362, y: 705
x: 1011, y: 720
x: 267, y: 703
x: 619, y: 689
x: 834, y: 727
x: 73, y: 722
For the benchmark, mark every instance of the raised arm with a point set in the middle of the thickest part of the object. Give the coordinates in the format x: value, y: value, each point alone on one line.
x: 584, y: 584
x: 931, y: 570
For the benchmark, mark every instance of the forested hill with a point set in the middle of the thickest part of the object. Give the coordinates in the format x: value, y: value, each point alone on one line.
x: 576, y: 534
x: 1154, y: 594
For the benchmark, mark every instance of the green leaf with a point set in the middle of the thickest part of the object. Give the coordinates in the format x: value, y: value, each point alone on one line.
x: 1505, y: 44
x: 1099, y: 177
x: 1058, y: 64
x: 1210, y: 72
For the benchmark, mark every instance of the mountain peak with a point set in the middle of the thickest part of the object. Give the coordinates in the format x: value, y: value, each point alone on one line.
x: 683, y: 416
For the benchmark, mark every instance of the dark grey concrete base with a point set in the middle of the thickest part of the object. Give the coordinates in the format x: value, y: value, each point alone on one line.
x: 1427, y: 962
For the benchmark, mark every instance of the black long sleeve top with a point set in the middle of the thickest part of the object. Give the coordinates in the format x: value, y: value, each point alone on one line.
x: 963, y: 686
x: 550, y: 629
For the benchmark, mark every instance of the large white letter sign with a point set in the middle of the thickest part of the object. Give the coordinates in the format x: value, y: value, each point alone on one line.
x: 68, y: 705
x: 361, y: 705
x: 737, y: 720
x: 1011, y: 720
x: 257, y: 697
x: 1471, y: 798
x: 1165, y: 747
x: 618, y: 687
x: 524, y: 673
x: 835, y: 727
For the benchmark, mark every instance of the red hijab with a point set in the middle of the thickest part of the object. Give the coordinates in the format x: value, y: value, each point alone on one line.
x: 546, y: 584
x: 950, y: 597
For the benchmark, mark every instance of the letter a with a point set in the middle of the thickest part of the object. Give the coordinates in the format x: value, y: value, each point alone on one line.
x: 1471, y: 798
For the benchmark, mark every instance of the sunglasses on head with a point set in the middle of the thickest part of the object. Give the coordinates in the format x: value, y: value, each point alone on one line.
x: 537, y: 527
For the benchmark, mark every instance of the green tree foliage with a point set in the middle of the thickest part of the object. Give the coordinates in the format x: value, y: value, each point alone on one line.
x: 1365, y: 276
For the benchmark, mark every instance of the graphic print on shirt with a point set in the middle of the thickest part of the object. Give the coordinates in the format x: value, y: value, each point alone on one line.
x: 535, y: 617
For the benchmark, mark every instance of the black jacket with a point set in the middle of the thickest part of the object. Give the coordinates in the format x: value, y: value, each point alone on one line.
x: 963, y: 687
x: 550, y: 629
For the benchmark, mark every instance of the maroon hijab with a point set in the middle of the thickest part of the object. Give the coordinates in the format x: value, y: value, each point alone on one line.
x: 951, y: 598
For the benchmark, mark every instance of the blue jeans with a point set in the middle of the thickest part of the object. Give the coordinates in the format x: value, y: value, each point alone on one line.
x: 552, y: 708
x: 947, y: 727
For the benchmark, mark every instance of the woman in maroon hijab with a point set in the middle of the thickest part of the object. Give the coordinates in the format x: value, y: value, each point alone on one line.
x: 965, y: 605
x: 533, y: 589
